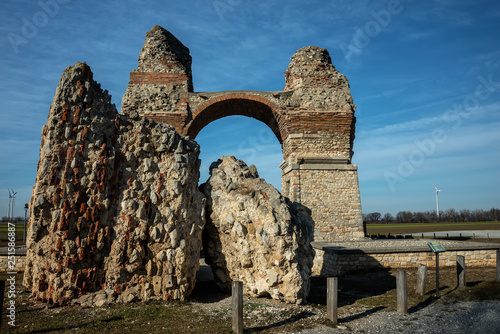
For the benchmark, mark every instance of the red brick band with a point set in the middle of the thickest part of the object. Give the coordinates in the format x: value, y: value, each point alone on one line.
x: 158, y: 78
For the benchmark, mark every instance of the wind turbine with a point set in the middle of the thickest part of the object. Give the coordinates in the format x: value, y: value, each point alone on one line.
x: 13, y: 198
x: 437, y: 204
x: 10, y: 198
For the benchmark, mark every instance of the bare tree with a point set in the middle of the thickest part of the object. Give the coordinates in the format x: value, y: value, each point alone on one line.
x: 388, y: 217
x: 373, y: 217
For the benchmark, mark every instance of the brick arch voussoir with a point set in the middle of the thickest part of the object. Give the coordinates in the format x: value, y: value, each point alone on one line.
x: 194, y: 127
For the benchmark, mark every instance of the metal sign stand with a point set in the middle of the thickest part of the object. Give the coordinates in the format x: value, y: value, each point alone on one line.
x: 437, y: 275
x: 436, y: 248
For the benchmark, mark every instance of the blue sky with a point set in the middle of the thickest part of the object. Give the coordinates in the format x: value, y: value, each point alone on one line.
x: 425, y: 77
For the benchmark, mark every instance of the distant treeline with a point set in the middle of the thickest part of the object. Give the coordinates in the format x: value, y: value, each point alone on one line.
x: 14, y: 219
x: 450, y: 215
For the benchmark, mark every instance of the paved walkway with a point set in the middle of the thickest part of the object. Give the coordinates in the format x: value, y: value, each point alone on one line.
x: 486, y: 234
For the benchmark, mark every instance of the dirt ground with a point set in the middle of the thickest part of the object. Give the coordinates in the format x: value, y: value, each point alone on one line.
x: 209, y: 309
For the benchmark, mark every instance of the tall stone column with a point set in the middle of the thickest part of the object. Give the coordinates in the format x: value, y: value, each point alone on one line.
x: 317, y: 169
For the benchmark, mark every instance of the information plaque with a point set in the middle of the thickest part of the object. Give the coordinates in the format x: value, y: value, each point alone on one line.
x: 436, y: 247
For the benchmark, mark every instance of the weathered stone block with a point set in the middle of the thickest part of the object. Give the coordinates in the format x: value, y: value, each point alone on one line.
x: 255, y: 235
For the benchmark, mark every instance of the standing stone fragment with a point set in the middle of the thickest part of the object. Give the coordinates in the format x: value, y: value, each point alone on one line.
x: 98, y: 208
x: 255, y: 235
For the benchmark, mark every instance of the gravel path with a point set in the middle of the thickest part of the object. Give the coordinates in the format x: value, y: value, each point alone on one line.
x: 464, y: 317
x: 442, y: 316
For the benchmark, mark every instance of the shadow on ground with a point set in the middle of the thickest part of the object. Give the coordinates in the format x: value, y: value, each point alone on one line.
x: 292, y: 319
x: 354, y: 286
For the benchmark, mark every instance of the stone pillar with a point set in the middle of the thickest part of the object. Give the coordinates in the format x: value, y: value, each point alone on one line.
x: 317, y: 151
x: 329, y: 188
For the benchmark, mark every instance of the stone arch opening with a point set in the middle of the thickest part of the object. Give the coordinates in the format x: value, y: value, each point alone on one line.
x: 250, y: 140
x: 234, y: 106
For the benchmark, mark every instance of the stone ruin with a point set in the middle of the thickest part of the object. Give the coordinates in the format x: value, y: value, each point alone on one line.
x: 116, y: 205
x: 116, y: 213
x: 255, y: 235
x: 312, y: 118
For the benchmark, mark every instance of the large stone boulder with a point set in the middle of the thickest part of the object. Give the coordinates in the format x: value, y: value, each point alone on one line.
x: 116, y: 208
x: 255, y: 235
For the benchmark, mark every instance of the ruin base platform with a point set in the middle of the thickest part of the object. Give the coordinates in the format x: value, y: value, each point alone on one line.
x: 339, y: 258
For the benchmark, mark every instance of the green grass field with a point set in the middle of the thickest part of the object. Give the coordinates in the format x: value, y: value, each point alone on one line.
x: 4, y: 230
x: 427, y: 227
x: 371, y: 228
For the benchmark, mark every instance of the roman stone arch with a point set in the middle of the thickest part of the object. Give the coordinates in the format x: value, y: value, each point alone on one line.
x: 312, y: 117
x: 223, y: 104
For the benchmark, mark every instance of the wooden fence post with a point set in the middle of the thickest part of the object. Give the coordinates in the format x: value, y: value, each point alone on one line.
x: 461, y: 271
x: 421, y: 279
x: 2, y: 291
x: 402, y: 292
x: 237, y: 305
x: 332, y: 285
x: 498, y: 265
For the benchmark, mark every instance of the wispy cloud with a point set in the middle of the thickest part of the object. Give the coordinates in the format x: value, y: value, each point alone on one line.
x: 447, y: 118
x: 402, y: 166
x: 448, y: 12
